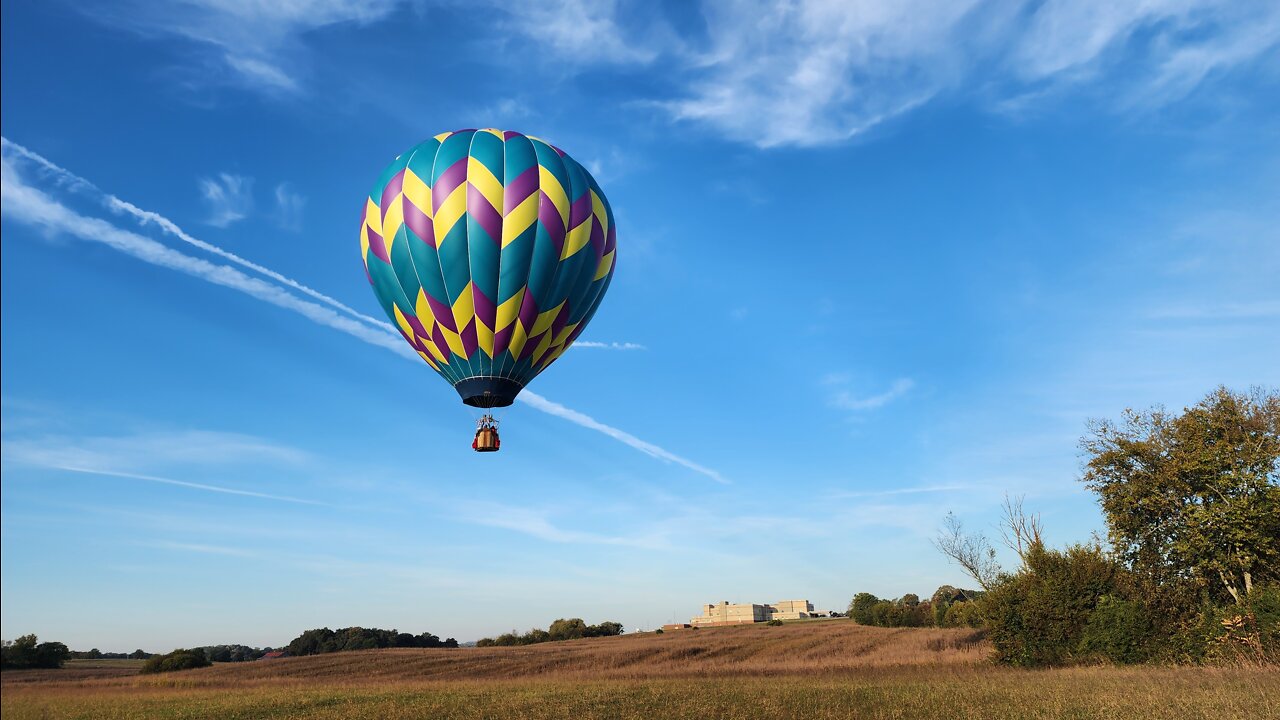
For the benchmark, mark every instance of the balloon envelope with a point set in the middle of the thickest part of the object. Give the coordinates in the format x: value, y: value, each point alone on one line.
x: 490, y: 251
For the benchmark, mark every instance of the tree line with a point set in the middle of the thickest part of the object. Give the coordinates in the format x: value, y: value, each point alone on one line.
x: 562, y: 629
x: 96, y: 654
x: 1190, y: 569
x: 948, y: 607
x: 28, y: 652
x: 324, y: 640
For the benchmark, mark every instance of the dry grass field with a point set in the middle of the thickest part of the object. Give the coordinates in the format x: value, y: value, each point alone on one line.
x: 805, y: 670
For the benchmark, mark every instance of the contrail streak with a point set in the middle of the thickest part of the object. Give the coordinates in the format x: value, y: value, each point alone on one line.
x: 146, y: 217
x: 184, y: 483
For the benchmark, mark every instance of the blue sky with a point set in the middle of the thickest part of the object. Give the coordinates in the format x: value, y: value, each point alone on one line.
x: 878, y: 261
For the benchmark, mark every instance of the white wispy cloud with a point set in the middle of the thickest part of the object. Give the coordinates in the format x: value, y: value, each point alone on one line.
x: 845, y: 399
x: 127, y: 456
x: 1259, y: 310
x: 818, y: 71
x: 800, y: 73
x: 203, y: 549
x: 26, y: 203
x: 926, y: 490
x: 537, y: 524
x: 149, y: 450
x: 609, y: 345
x: 260, y: 43
x: 289, y: 207
x: 813, y: 72
x: 583, y: 30
x: 228, y: 197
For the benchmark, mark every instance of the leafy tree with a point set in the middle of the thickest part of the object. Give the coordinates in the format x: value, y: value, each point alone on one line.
x: 860, y: 608
x: 180, y: 659
x: 570, y: 629
x: 28, y: 652
x: 139, y: 654
x: 604, y: 629
x: 562, y: 629
x: 1194, y: 498
x: 20, y: 653
x: 964, y: 613
x: 907, y: 611
x: 51, y: 655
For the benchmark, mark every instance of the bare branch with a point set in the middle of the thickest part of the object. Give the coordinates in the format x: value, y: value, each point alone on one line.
x: 1020, y: 531
x: 972, y: 552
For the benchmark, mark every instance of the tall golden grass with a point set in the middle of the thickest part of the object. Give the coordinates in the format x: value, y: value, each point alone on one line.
x: 805, y: 670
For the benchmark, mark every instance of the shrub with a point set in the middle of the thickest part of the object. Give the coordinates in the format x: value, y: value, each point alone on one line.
x: 774, y: 623
x: 963, y: 614
x: 1038, y: 615
x: 180, y: 659
x: 1248, y: 633
x: 1118, y: 630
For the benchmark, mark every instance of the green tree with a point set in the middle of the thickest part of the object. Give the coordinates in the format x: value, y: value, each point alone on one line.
x: 180, y: 659
x: 607, y: 628
x: 28, y: 652
x: 860, y: 608
x: 570, y: 629
x: 964, y: 613
x: 1194, y: 498
x: 535, y: 636
x: 20, y: 653
x: 51, y: 655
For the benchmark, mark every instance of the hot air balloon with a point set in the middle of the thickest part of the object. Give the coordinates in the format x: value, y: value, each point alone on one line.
x: 490, y: 251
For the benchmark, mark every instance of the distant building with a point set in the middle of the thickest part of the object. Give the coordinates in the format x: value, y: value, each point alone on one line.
x: 791, y: 610
x: 727, y: 613
x: 676, y: 626
x: 275, y: 654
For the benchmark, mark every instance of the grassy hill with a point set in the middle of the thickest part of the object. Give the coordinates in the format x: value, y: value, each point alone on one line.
x: 805, y: 670
x: 799, y: 649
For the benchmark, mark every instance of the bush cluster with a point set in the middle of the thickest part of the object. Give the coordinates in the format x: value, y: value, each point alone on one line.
x: 949, y: 607
x: 562, y: 629
x: 180, y: 659
x: 96, y: 654
x: 324, y: 640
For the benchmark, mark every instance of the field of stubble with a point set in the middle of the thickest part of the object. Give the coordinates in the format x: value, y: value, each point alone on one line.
x: 803, y: 670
